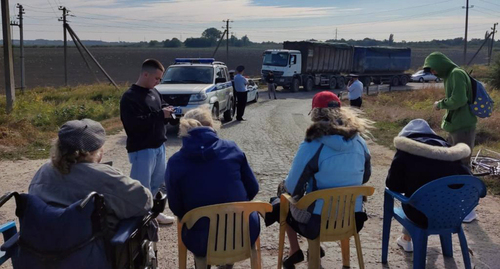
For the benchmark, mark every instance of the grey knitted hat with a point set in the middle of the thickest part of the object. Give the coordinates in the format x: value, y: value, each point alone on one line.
x: 86, y: 134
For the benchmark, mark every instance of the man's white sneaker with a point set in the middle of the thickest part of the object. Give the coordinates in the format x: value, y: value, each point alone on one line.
x: 472, y: 216
x: 406, y: 245
x: 164, y: 219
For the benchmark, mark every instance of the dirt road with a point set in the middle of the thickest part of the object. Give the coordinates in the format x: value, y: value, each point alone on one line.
x: 270, y: 139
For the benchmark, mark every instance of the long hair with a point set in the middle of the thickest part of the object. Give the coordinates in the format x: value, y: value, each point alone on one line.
x: 63, y: 158
x: 346, y: 117
x: 197, y: 117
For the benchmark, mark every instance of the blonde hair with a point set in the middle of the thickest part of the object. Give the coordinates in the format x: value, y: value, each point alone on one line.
x: 197, y: 117
x: 63, y: 158
x: 346, y: 117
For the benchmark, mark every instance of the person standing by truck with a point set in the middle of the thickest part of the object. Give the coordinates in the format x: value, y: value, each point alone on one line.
x: 355, y: 91
x: 270, y: 84
x: 240, y: 85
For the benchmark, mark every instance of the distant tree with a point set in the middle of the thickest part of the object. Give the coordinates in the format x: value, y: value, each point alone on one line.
x: 174, y: 43
x: 198, y: 42
x: 391, y: 39
x: 245, y: 41
x: 153, y: 43
x: 495, y: 73
x: 212, y: 33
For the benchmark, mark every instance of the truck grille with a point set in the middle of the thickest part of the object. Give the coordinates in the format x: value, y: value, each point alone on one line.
x: 276, y: 73
x: 176, y: 99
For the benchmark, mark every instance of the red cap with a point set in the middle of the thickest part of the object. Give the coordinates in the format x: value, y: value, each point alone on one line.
x: 325, y: 99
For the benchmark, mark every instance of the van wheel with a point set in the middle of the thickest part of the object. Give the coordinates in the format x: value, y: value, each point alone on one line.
x: 309, y: 84
x: 215, y: 112
x: 228, y: 114
x: 295, y: 85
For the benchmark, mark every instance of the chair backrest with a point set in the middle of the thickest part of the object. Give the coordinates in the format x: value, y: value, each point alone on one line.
x: 229, y: 233
x: 337, y: 214
x: 448, y: 200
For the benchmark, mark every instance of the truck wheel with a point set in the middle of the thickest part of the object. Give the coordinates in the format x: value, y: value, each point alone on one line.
x: 403, y: 80
x: 377, y: 81
x: 333, y: 82
x: 295, y: 85
x: 366, y: 81
x: 228, y: 114
x: 395, y: 81
x: 340, y: 83
x: 309, y: 84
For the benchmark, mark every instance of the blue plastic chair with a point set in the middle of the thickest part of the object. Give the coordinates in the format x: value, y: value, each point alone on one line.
x: 445, y: 202
x: 8, y: 230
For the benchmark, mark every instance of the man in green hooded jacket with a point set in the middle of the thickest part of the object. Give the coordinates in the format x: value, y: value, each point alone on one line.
x: 459, y: 121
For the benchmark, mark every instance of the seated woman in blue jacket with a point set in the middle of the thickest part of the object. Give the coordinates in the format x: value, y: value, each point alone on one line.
x: 333, y: 155
x: 207, y: 170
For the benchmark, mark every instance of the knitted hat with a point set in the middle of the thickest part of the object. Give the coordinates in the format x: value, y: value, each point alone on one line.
x: 325, y: 99
x: 86, y: 134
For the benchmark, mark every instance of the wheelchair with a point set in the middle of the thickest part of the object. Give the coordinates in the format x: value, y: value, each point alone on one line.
x: 78, y: 236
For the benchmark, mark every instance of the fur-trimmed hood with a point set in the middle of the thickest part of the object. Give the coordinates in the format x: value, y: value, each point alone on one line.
x: 323, y: 128
x: 411, y: 146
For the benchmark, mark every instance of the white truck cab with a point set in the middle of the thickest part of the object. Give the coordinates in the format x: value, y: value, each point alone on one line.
x: 192, y: 82
x: 285, y: 64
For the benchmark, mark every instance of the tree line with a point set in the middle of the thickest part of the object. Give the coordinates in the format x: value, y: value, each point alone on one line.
x: 209, y: 38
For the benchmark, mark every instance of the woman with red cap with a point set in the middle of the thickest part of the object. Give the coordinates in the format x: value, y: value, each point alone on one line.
x: 332, y: 155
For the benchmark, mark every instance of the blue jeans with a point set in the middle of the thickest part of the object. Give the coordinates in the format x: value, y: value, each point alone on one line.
x: 148, y: 166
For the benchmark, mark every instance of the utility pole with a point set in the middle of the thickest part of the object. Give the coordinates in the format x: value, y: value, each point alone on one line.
x: 227, y: 39
x: 336, y: 34
x: 21, y: 43
x: 65, y: 22
x: 466, y: 28
x: 10, y: 93
x: 492, y: 42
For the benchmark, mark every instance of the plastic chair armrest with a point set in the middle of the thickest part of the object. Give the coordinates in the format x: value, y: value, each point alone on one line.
x: 398, y: 196
x: 125, y: 229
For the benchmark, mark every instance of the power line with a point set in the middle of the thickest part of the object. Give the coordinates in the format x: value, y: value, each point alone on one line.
x: 489, y: 2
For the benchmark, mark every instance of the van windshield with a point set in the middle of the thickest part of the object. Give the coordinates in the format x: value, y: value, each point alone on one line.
x: 276, y: 59
x: 188, y: 74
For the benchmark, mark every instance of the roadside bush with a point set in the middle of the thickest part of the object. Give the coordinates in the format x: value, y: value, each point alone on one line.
x: 495, y: 73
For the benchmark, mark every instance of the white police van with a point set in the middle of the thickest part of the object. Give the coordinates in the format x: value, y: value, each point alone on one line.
x: 192, y: 82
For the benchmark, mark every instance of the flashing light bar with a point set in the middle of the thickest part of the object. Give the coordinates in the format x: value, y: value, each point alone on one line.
x: 195, y: 60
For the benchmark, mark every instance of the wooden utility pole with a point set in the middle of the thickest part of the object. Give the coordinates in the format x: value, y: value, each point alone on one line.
x: 227, y: 39
x: 21, y: 43
x: 10, y: 93
x: 63, y: 19
x: 466, y: 29
x: 492, y: 42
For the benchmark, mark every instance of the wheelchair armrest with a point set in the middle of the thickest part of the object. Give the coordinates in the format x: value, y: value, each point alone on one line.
x: 397, y: 195
x: 11, y: 242
x: 6, y: 197
x: 125, y: 230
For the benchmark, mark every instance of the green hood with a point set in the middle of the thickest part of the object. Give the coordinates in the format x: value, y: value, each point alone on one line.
x: 439, y: 63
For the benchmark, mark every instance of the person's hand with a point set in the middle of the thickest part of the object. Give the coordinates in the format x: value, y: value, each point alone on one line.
x: 436, y: 105
x: 167, y: 111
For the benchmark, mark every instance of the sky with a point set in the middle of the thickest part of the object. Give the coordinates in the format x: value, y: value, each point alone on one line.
x: 260, y: 20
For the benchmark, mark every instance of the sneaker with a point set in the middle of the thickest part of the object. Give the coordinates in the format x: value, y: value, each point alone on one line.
x: 472, y: 216
x: 164, y: 219
x: 406, y: 245
x: 290, y: 261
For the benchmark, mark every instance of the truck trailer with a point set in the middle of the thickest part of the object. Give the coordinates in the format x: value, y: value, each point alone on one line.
x: 310, y: 64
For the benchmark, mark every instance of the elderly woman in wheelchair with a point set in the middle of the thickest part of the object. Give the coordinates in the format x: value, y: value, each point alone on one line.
x: 80, y: 213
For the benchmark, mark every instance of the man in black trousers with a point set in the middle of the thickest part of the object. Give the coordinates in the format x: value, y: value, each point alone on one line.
x: 240, y: 86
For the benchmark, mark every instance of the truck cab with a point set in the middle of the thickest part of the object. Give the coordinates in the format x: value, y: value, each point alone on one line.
x: 285, y: 65
x: 192, y: 82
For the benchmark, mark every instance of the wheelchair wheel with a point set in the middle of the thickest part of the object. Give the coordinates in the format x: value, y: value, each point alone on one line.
x: 150, y: 255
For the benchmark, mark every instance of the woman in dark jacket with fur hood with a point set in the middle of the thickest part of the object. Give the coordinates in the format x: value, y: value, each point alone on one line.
x: 421, y: 157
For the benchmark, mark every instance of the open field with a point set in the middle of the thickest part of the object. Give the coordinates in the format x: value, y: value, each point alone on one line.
x: 45, y: 66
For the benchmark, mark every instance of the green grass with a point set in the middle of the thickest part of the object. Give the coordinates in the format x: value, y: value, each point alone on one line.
x: 27, y: 132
